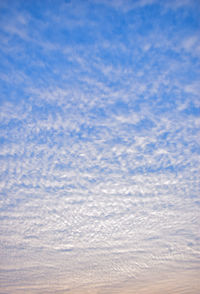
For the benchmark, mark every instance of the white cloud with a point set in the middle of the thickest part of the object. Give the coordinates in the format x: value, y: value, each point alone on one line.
x: 99, y: 161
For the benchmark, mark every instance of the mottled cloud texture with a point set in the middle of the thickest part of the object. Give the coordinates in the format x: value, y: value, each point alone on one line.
x: 99, y: 147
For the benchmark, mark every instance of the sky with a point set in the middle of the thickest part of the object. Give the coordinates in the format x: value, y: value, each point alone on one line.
x: 99, y: 146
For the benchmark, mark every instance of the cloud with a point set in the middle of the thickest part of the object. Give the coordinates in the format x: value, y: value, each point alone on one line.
x: 99, y: 149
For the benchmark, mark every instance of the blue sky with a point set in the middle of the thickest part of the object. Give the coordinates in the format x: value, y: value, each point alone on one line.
x: 99, y: 146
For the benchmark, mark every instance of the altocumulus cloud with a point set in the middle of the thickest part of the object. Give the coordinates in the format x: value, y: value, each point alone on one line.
x: 99, y: 146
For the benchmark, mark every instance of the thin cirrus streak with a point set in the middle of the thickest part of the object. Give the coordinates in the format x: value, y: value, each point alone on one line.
x: 99, y: 147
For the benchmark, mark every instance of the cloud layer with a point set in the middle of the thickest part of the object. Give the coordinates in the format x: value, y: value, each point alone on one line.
x: 99, y: 147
